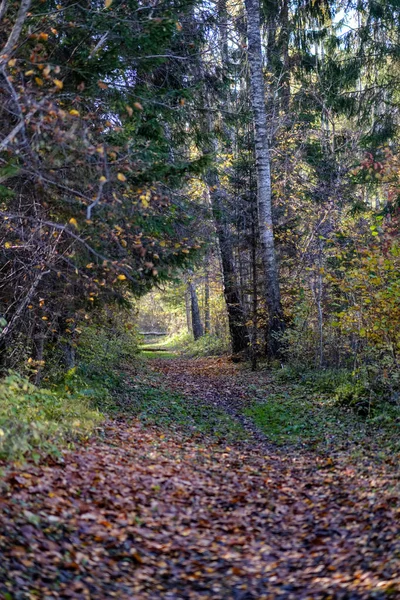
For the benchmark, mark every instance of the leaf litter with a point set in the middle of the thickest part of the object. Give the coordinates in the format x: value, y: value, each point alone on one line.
x: 140, y: 512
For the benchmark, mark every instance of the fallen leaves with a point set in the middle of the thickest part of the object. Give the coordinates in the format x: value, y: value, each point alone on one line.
x: 146, y: 515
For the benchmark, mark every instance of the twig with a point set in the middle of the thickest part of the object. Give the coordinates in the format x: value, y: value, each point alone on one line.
x: 15, y: 32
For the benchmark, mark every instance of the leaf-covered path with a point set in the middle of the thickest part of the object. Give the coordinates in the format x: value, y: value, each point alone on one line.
x: 140, y: 513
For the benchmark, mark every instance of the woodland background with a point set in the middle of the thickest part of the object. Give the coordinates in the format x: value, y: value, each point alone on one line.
x: 230, y: 169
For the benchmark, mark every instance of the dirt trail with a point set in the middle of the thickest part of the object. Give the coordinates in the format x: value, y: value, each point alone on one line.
x: 138, y: 513
x: 215, y: 381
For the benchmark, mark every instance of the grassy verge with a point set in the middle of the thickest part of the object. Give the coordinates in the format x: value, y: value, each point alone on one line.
x: 308, y: 410
x: 154, y: 353
x: 183, y: 344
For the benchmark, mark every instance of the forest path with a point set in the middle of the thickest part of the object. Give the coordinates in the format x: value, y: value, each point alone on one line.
x: 217, y: 382
x: 142, y: 512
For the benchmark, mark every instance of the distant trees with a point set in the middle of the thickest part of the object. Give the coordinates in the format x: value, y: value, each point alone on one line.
x: 137, y: 139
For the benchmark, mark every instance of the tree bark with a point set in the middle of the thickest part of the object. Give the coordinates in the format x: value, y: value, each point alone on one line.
x: 188, y: 312
x: 197, y: 325
x: 276, y: 323
x: 236, y: 315
x: 207, y: 314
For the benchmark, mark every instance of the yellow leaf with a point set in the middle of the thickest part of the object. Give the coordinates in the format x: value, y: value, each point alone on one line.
x: 163, y: 244
x: 7, y: 245
x: 108, y: 3
x: 74, y: 112
x: 121, y: 177
x: 138, y: 106
x: 58, y: 83
x: 46, y: 71
x: 121, y: 277
x: 103, y: 179
x: 12, y: 62
x: 39, y: 81
x: 31, y: 72
x: 45, y: 318
x: 145, y: 202
x: 43, y: 36
x: 73, y: 222
x: 185, y: 251
x: 129, y: 110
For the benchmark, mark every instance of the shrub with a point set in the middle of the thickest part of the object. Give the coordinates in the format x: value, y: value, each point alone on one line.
x: 354, y: 395
x: 207, y: 345
x: 40, y: 419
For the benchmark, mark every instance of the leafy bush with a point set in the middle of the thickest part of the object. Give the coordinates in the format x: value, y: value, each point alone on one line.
x: 354, y: 395
x: 104, y: 347
x: 207, y: 345
x: 40, y: 419
x: 324, y: 381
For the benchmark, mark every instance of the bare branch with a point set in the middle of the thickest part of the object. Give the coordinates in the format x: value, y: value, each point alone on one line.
x: 28, y: 297
x: 11, y: 135
x: 3, y: 8
x: 65, y: 229
x: 16, y: 31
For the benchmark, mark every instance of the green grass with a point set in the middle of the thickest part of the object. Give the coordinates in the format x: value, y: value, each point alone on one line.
x: 183, y: 344
x: 150, y: 354
x: 294, y: 418
x: 301, y: 414
x: 146, y: 398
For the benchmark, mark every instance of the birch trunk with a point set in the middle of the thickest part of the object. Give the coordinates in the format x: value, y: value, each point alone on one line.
x: 263, y: 165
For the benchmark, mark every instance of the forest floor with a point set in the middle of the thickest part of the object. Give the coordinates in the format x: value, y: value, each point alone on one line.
x: 192, y: 498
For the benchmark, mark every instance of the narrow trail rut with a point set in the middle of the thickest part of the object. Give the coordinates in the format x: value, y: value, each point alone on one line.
x: 140, y: 513
x: 215, y: 382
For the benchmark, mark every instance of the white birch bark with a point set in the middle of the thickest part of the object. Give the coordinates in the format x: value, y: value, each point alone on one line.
x: 263, y: 166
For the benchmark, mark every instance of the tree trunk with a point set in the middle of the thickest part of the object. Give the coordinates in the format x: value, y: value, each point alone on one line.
x: 207, y: 315
x: 196, y: 320
x: 276, y: 324
x: 236, y: 315
x: 188, y: 312
x: 255, y: 299
x: 284, y: 49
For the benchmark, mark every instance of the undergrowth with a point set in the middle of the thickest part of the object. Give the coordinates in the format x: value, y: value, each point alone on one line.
x: 183, y: 344
x: 325, y: 408
x: 34, y: 420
